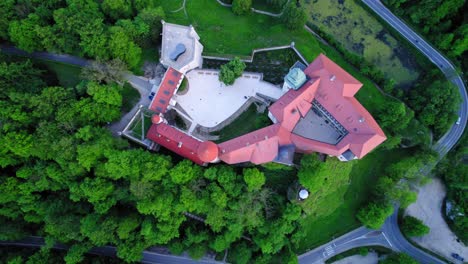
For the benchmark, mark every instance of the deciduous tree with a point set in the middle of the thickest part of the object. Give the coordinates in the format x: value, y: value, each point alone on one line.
x: 294, y: 16
x: 373, y: 215
x: 414, y: 227
x: 241, y: 7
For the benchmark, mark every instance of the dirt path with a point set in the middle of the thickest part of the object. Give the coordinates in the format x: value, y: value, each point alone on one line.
x: 428, y: 208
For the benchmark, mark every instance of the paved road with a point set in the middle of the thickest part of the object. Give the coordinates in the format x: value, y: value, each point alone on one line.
x: 388, y: 236
x: 400, y: 244
x: 453, y: 135
x: 156, y: 255
x: 390, y: 231
x: 357, y: 238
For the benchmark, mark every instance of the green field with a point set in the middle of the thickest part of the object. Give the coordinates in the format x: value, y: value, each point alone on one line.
x: 361, y: 33
x: 247, y: 122
x: 363, y: 177
x: 222, y: 32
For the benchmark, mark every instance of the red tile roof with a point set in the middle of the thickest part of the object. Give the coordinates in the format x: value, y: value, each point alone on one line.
x: 167, y: 88
x: 334, y: 89
x: 176, y: 141
x: 294, y: 104
x: 207, y: 151
x: 331, y: 86
x: 258, y: 147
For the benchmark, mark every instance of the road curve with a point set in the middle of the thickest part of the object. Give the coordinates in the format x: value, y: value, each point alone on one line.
x: 156, y: 256
x: 359, y: 237
x: 446, y: 143
x: 400, y: 244
x: 390, y: 230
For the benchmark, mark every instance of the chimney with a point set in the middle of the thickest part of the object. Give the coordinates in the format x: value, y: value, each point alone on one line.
x: 332, y: 78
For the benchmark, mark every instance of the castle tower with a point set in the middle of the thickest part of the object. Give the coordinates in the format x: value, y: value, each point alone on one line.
x: 294, y: 79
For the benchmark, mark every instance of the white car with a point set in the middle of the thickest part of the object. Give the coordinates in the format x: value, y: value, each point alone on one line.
x: 458, y: 120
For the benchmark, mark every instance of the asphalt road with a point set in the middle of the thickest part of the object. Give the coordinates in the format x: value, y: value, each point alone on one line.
x: 449, y: 140
x: 357, y: 238
x: 389, y: 235
x: 400, y: 244
x: 156, y: 256
x: 390, y: 231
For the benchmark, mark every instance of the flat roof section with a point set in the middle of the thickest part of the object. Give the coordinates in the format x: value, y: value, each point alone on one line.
x: 317, y: 127
x: 180, y: 48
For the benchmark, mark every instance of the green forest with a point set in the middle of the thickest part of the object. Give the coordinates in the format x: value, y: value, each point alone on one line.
x: 65, y: 177
x: 109, y: 29
x: 443, y: 22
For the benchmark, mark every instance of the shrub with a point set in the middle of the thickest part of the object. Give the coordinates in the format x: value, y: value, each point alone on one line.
x: 241, y: 7
x: 231, y: 71
x: 294, y: 16
x: 414, y: 227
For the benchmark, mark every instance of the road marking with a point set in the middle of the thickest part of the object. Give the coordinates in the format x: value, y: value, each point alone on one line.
x: 387, y: 239
x: 328, y: 251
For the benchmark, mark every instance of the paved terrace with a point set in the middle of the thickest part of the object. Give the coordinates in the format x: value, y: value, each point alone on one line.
x: 209, y: 102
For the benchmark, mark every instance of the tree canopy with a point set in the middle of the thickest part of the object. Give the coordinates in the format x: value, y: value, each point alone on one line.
x: 109, y: 29
x: 294, y: 15
x: 231, y: 71
x: 414, y: 227
x: 66, y: 177
x: 241, y: 7
x: 374, y: 214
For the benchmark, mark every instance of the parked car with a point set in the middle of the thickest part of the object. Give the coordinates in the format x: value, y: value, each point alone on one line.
x: 151, y: 96
x: 458, y: 257
x: 458, y: 120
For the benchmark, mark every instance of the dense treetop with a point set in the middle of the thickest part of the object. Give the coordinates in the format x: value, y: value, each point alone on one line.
x: 109, y: 29
x: 66, y: 177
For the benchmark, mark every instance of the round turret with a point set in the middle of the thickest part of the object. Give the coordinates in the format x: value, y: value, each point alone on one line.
x: 208, y: 151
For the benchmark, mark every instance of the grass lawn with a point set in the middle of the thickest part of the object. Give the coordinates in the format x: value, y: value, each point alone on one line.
x: 222, y: 32
x: 183, y: 86
x: 358, y: 31
x: 247, y: 122
x: 147, y: 55
x: 67, y: 75
x: 363, y: 177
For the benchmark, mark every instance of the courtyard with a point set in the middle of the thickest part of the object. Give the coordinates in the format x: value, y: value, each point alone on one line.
x: 208, y: 102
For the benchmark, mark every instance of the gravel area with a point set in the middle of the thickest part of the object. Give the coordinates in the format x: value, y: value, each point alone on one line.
x: 440, y: 240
